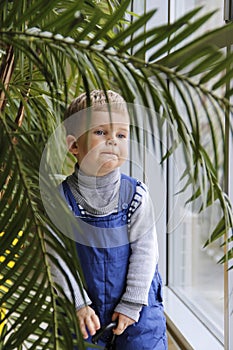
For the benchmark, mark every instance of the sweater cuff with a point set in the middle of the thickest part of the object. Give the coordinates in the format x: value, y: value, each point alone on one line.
x: 136, y: 295
x: 131, y: 310
x: 81, y: 300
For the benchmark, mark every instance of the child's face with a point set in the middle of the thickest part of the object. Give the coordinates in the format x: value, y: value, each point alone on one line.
x: 104, y: 147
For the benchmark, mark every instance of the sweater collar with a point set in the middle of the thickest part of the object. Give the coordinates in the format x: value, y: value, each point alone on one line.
x: 96, y: 182
x: 98, y: 195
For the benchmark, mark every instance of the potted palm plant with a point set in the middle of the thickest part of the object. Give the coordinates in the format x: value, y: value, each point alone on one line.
x: 50, y: 52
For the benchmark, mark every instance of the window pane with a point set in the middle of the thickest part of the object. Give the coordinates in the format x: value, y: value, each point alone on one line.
x: 194, y: 272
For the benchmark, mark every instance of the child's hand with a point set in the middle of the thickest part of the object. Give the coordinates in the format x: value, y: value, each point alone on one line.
x: 123, y: 322
x: 88, y: 320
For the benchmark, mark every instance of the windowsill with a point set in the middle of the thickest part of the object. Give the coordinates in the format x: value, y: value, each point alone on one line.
x: 185, y: 327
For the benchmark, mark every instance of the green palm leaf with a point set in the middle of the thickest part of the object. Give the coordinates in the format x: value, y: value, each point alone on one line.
x: 26, y: 285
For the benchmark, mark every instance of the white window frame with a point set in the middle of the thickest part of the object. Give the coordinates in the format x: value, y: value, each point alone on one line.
x: 188, y: 330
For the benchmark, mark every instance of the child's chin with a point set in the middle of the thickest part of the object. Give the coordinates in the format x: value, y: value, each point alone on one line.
x: 107, y: 167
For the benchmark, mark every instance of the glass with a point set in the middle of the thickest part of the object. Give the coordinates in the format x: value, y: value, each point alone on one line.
x: 194, y: 272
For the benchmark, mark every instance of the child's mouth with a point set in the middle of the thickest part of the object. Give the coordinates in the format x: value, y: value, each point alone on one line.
x: 109, y: 154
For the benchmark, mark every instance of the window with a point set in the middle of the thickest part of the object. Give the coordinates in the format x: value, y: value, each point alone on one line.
x: 198, y: 285
x: 194, y: 273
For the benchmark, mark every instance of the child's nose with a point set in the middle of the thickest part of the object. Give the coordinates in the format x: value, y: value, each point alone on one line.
x: 111, y: 141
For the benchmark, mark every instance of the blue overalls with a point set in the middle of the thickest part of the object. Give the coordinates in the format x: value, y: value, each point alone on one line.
x: 105, y: 262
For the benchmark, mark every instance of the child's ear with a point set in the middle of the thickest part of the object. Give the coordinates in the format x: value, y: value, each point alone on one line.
x: 72, y: 144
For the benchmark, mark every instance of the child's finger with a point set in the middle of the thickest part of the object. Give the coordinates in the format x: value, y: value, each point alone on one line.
x: 121, y: 326
x: 83, y: 330
x: 96, y: 321
x: 123, y: 323
x: 92, y: 323
x: 90, y: 326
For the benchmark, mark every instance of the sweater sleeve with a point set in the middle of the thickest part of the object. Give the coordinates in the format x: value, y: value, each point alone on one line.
x: 144, y: 250
x: 80, y: 299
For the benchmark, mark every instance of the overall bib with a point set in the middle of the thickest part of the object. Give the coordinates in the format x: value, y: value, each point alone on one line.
x: 104, y: 252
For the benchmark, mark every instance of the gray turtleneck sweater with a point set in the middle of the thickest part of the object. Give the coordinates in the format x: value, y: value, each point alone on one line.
x: 99, y: 196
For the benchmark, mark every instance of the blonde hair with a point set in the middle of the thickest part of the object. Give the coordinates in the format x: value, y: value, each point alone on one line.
x: 99, y: 101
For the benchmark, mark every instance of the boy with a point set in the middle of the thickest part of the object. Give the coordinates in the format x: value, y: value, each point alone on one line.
x: 119, y: 255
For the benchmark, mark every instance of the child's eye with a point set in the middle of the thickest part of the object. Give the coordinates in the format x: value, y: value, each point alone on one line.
x: 121, y: 136
x: 99, y: 132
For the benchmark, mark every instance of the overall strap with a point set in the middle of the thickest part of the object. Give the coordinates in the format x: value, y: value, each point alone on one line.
x: 127, y: 191
x: 65, y: 188
x: 130, y: 195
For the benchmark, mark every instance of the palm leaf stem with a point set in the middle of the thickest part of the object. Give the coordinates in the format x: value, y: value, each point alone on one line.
x: 136, y: 61
x: 6, y: 70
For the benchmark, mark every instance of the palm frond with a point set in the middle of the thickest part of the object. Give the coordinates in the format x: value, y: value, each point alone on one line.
x: 26, y: 280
